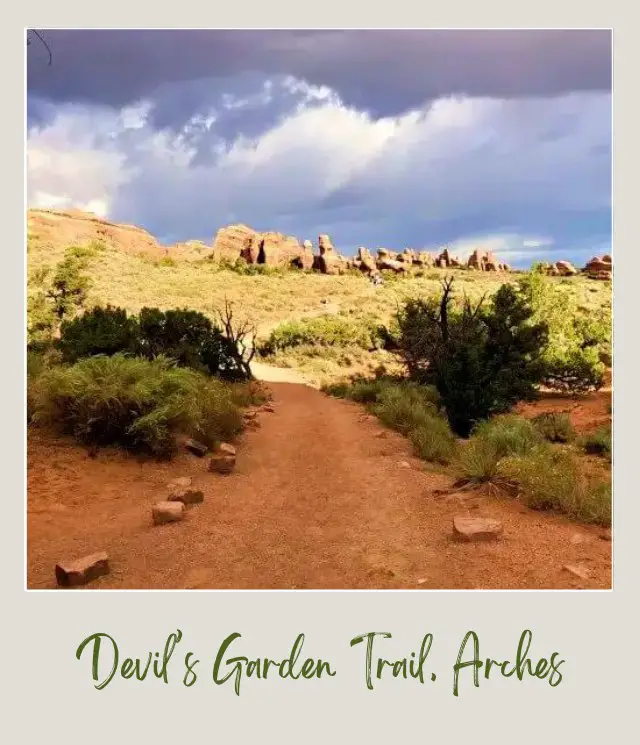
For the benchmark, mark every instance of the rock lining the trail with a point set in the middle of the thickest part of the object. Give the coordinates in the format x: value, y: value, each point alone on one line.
x: 82, y: 571
x: 197, y: 448
x: 167, y: 512
x: 182, y: 490
x: 577, y: 570
x: 476, y: 529
x: 223, y: 460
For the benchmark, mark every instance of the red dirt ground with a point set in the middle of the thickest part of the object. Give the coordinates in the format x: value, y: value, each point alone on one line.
x: 319, y: 499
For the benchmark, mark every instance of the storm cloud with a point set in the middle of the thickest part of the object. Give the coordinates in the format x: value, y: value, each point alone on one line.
x: 500, y: 138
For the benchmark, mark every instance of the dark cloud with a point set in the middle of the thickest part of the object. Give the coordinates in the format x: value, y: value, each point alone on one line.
x: 383, y: 72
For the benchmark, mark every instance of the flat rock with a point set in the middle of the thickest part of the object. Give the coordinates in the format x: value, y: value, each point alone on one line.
x: 221, y: 463
x: 197, y: 448
x: 270, y: 408
x: 577, y: 570
x: 82, y: 571
x: 167, y: 512
x: 404, y: 464
x: 186, y: 496
x: 476, y: 529
x: 226, y: 449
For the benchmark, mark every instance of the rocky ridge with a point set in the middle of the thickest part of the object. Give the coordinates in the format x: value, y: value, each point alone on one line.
x: 240, y: 243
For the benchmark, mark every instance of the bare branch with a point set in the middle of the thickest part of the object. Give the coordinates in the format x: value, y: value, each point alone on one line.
x: 42, y: 39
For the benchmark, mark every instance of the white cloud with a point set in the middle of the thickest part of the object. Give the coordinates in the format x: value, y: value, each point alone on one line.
x: 456, y: 159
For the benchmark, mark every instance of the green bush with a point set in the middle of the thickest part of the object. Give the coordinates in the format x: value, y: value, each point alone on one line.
x: 99, y: 331
x: 69, y: 287
x: 242, y: 267
x: 85, y: 252
x: 598, y: 442
x: 554, y: 426
x: 139, y: 404
x: 35, y: 367
x: 493, y: 440
x: 412, y: 410
x: 192, y: 340
x: 185, y: 336
x: 323, y: 331
x: 433, y: 440
x: 551, y: 478
x: 481, y: 360
x: 577, y: 338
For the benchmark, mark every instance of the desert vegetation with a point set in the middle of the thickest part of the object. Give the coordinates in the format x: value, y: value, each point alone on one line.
x: 467, y: 364
x: 139, y: 352
x: 140, y: 381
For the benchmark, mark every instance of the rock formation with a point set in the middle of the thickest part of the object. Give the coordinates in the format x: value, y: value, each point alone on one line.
x: 565, y: 268
x: 388, y: 260
x: 486, y: 262
x: 231, y: 242
x: 55, y: 228
x: 365, y: 261
x: 272, y: 249
x: 599, y: 267
x: 328, y: 261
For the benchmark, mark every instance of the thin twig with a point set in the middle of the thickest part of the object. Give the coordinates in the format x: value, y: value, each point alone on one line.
x: 42, y: 39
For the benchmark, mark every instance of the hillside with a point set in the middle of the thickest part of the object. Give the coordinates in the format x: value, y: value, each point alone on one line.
x: 132, y: 269
x: 375, y: 508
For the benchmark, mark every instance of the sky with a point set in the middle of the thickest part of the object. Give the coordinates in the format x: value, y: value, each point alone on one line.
x: 495, y: 140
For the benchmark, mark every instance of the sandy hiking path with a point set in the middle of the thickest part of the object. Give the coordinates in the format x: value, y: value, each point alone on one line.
x: 322, y: 497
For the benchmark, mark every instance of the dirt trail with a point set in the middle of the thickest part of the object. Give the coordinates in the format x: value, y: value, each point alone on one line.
x: 320, y: 499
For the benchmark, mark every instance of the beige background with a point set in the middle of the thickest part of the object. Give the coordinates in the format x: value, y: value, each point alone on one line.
x: 49, y: 693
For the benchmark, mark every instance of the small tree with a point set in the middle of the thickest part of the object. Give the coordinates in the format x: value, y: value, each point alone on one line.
x: 242, y: 338
x: 481, y: 358
x: 69, y: 287
x: 98, y: 331
x: 578, y: 340
x: 56, y: 299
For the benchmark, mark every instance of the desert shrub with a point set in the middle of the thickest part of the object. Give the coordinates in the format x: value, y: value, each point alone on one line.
x: 554, y: 426
x: 58, y: 296
x: 36, y: 363
x: 493, y: 440
x: 362, y: 391
x: 433, y: 440
x: 411, y: 410
x: 481, y: 360
x: 192, y: 340
x: 249, y: 393
x: 598, y: 442
x: 323, y: 331
x: 187, y: 337
x: 551, y: 478
x: 167, y: 261
x: 242, y: 267
x: 578, y: 339
x: 41, y: 321
x: 139, y: 404
x: 69, y: 286
x: 374, y: 390
x: 99, y: 331
x: 87, y: 251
